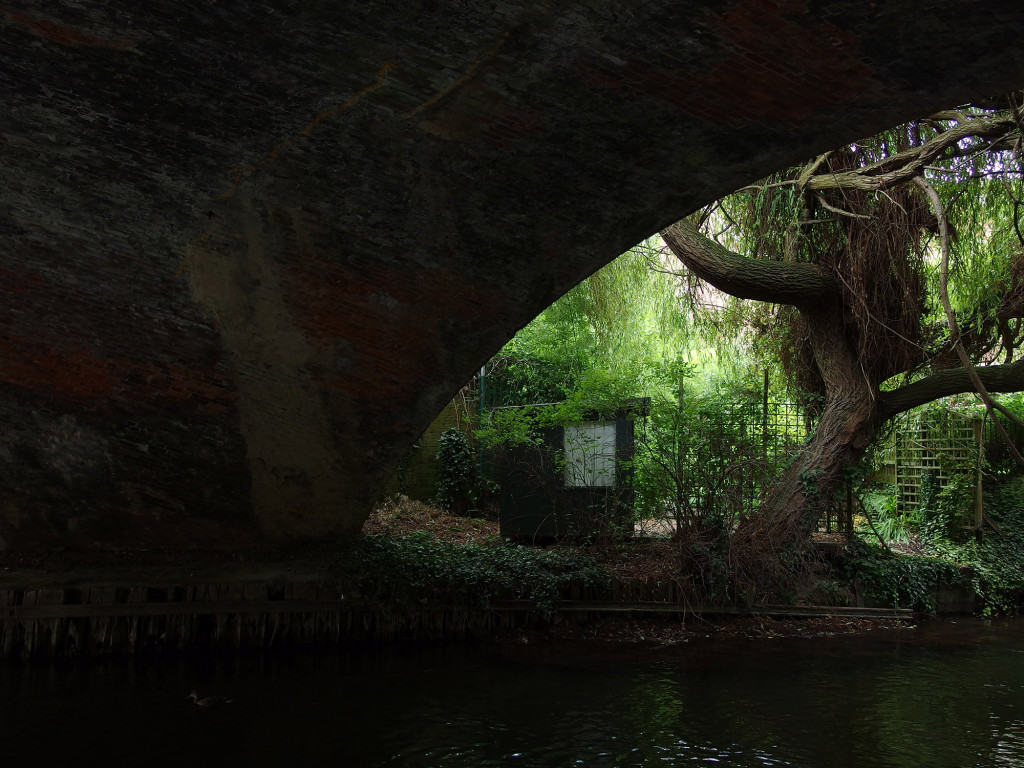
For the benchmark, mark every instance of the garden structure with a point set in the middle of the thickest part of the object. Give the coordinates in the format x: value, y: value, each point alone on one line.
x: 572, y: 480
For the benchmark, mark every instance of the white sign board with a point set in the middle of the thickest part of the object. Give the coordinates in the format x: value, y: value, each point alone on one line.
x: 590, y: 455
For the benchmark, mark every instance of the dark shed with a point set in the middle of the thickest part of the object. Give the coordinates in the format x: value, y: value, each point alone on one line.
x: 577, y: 482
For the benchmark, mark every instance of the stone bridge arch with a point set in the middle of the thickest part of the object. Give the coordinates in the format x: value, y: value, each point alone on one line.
x: 251, y: 248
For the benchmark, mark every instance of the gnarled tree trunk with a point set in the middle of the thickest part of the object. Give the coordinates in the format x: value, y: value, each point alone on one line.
x: 798, y: 500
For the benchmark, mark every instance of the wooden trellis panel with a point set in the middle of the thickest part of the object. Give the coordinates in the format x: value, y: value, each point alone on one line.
x: 929, y: 446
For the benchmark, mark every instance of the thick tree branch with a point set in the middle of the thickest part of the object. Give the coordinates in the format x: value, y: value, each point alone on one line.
x: 954, y: 381
x: 801, y: 285
x: 904, y: 166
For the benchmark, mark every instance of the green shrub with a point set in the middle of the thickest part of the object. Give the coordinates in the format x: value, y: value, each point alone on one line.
x: 900, y: 581
x: 992, y: 564
x: 886, y: 520
x: 458, y: 477
x: 998, y: 558
x: 417, y: 569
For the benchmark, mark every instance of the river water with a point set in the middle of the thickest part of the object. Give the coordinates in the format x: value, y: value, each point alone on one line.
x: 944, y: 694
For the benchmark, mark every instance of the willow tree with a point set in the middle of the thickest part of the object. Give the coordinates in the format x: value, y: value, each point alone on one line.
x: 891, y: 273
x: 618, y: 325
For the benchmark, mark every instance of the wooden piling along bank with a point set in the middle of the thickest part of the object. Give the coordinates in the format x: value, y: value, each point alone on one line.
x: 106, y: 620
x: 98, y: 621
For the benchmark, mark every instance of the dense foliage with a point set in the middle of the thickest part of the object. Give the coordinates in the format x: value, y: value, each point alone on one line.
x: 623, y: 334
x: 620, y: 332
x: 458, y: 477
x: 989, y: 565
x: 405, y: 572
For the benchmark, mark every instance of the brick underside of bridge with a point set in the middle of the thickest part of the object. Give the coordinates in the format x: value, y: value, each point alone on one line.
x: 249, y: 249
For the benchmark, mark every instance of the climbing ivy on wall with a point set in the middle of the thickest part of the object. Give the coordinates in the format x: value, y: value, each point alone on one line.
x: 458, y: 477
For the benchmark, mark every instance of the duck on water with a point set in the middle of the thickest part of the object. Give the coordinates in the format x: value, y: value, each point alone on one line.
x: 208, y: 701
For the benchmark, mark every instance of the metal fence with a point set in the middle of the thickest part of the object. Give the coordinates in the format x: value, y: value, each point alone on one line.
x: 751, y: 441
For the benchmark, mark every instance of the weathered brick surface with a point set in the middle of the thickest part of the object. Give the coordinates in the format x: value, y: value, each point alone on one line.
x: 249, y: 249
x: 421, y: 466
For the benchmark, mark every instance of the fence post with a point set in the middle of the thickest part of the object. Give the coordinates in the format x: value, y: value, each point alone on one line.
x: 978, y: 437
x: 764, y: 430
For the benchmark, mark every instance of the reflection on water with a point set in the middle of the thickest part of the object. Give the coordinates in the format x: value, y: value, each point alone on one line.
x: 943, y: 695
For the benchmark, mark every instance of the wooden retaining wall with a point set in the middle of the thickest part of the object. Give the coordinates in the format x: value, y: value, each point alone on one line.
x: 103, y: 621
x: 99, y: 621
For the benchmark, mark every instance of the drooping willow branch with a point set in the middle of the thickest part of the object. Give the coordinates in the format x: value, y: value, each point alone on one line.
x: 954, y: 330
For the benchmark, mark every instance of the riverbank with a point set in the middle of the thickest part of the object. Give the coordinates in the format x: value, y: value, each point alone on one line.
x: 281, y: 616
x: 416, y: 574
x: 657, y: 633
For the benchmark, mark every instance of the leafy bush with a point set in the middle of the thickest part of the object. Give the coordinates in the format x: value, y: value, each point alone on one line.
x: 991, y: 565
x: 707, y: 460
x: 897, y: 580
x: 944, y: 511
x: 885, y: 519
x: 408, y: 571
x: 458, y: 478
x: 998, y: 558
